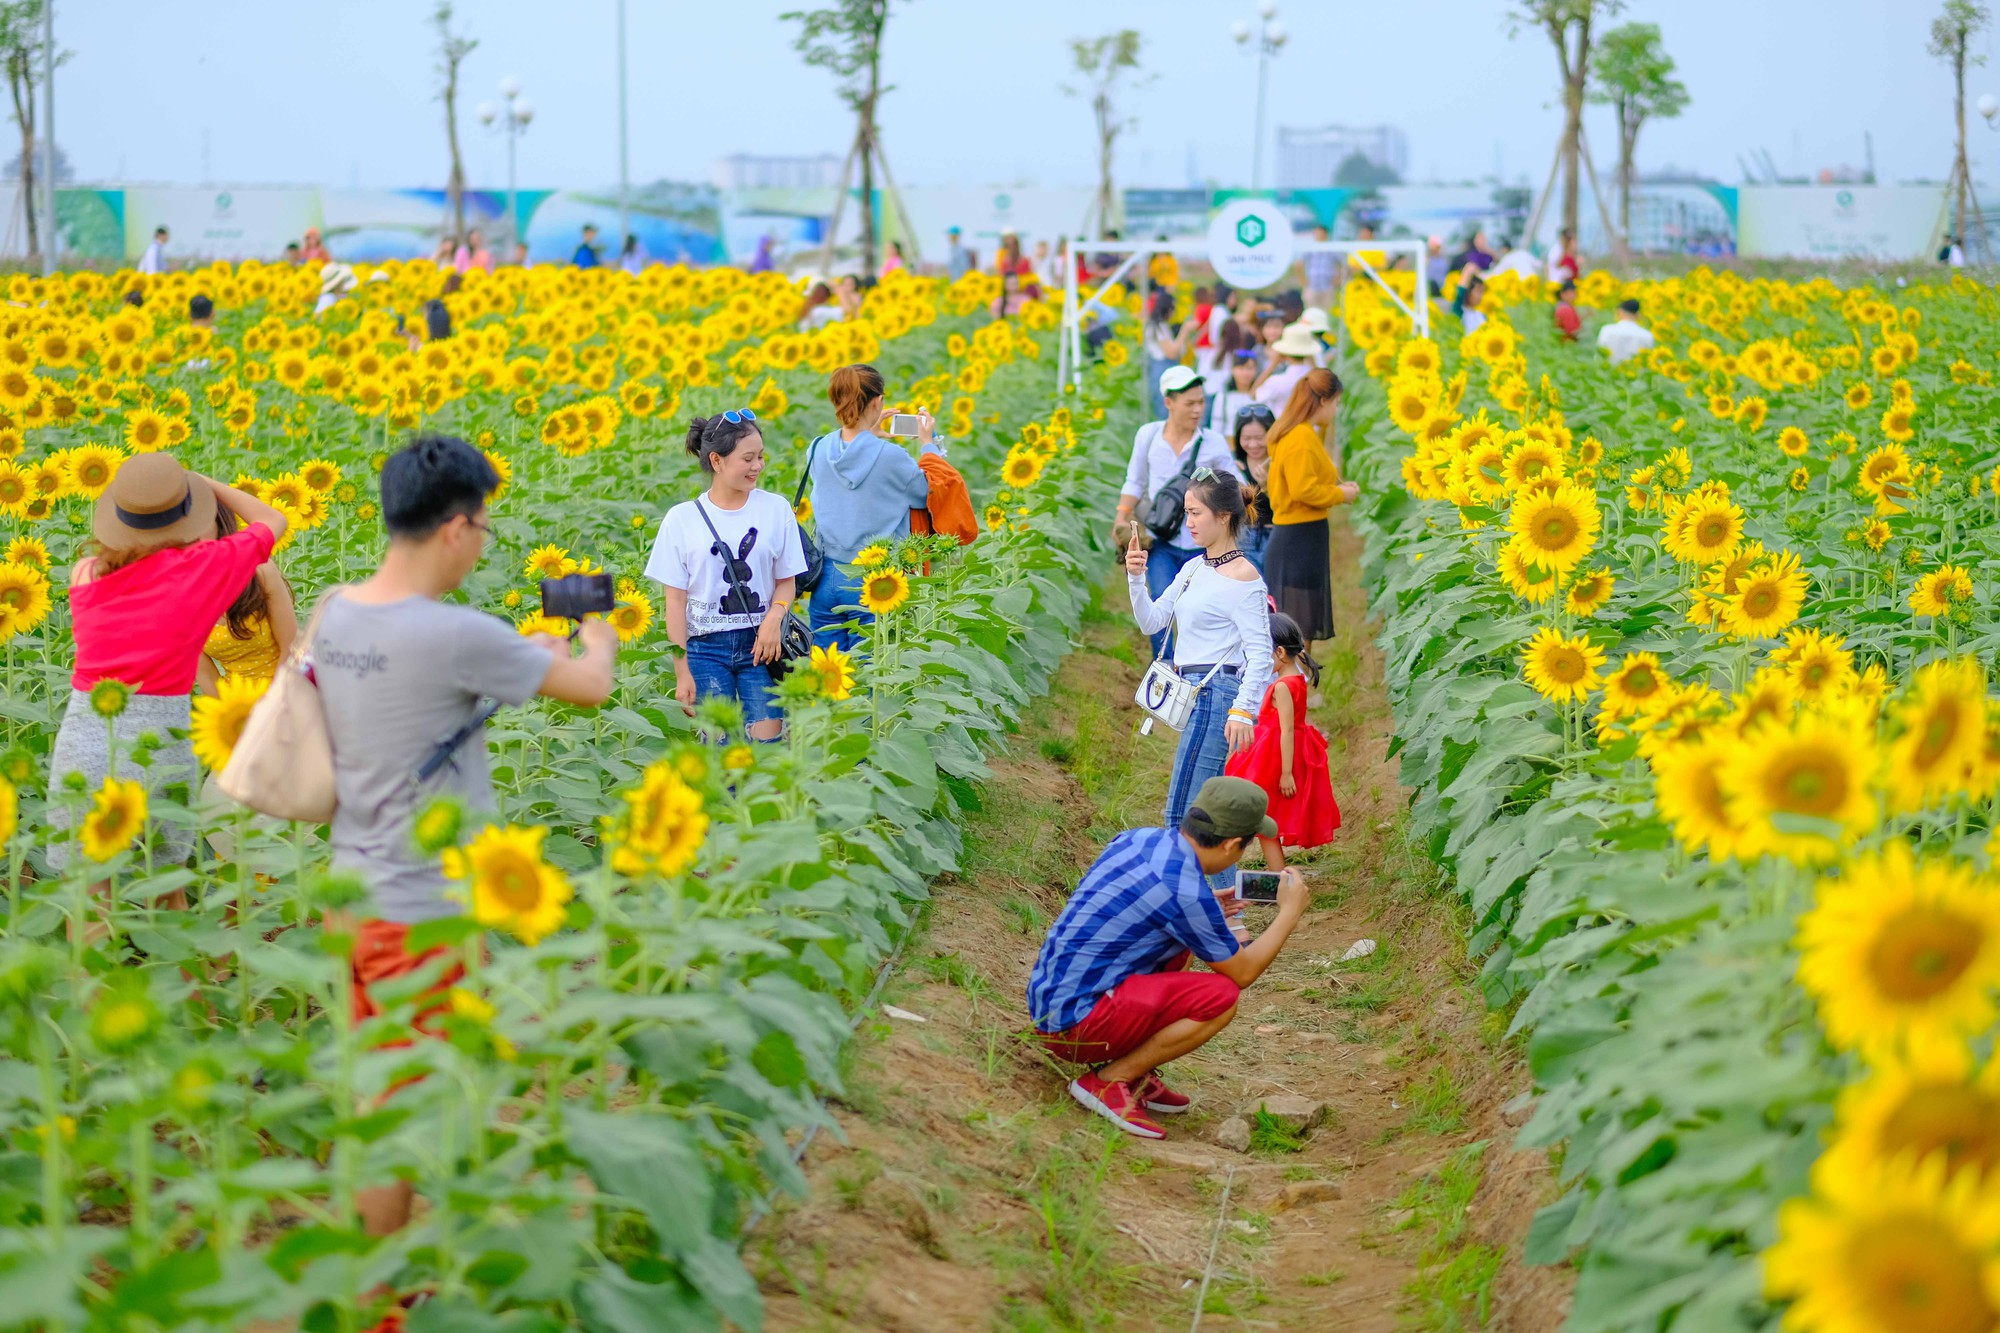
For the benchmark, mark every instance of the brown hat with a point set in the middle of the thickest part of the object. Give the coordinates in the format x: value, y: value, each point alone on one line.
x: 154, y: 501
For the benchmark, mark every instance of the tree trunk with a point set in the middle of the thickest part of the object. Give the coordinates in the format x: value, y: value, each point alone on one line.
x: 1958, y: 83
x: 21, y: 84
x: 455, y: 186
x: 866, y: 148
x: 1107, y: 142
x: 1575, y: 75
x: 1628, y: 148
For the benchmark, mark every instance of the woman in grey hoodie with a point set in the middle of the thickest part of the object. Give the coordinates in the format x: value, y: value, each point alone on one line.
x: 863, y: 489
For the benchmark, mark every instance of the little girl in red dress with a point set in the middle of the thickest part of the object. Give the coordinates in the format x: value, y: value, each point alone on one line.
x: 1287, y: 756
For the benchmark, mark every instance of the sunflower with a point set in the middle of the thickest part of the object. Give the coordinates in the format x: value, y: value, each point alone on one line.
x: 1926, y: 1102
x: 218, y: 720
x: 1408, y: 407
x: 1558, y: 528
x: 1896, y: 422
x: 1750, y: 413
x: 1816, y: 662
x: 1876, y: 533
x: 663, y: 826
x: 632, y: 616
x: 1688, y: 792
x: 884, y: 591
x: 1708, y: 529
x: 1562, y: 667
x: 145, y: 431
x: 1890, y: 1248
x: 123, y: 1016
x: 320, y: 474
x: 117, y: 816
x: 1815, y: 775
x: 90, y: 468
x: 1767, y: 599
x: 1898, y: 951
x: 1793, y: 442
x: 1936, y: 592
x: 996, y: 517
x: 549, y: 562
x: 1021, y: 469
x: 28, y: 551
x: 872, y: 555
x: 1531, y: 460
x: 513, y: 888
x: 1858, y: 396
x: 1588, y: 592
x: 833, y: 672
x: 24, y: 596
x: 1941, y: 722
x: 1634, y: 684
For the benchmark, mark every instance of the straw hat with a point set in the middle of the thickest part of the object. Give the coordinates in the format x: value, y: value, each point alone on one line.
x: 1297, y: 340
x: 153, y: 501
x: 336, y: 278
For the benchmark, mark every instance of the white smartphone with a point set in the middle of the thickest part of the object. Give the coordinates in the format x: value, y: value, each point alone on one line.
x: 1257, y: 886
x: 905, y: 424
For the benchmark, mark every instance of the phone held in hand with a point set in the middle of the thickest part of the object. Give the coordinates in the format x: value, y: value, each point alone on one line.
x: 1257, y: 886
x: 905, y: 425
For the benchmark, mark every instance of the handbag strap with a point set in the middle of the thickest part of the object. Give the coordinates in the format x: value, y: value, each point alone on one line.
x: 302, y: 645
x: 805, y: 475
x: 728, y: 565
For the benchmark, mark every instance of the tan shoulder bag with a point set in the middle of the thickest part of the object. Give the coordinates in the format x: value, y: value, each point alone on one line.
x: 282, y: 765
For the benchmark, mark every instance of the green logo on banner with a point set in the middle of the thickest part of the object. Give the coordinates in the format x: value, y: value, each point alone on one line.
x: 223, y: 201
x: 1250, y: 231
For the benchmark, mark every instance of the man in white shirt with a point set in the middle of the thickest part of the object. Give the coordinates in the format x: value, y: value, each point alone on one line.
x: 1624, y: 337
x: 155, y: 258
x: 1162, y: 452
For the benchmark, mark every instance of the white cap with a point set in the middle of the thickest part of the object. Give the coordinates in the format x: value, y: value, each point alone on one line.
x: 1174, y: 379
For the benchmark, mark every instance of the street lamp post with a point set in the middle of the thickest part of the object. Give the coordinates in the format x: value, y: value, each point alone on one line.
x: 1269, y: 39
x: 512, y: 121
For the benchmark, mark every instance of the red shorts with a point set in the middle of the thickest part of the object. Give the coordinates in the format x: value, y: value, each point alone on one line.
x: 380, y: 955
x: 1138, y: 1007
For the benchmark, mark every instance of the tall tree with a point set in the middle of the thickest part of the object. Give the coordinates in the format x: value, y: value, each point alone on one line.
x: 1567, y: 24
x: 453, y: 48
x: 1100, y: 63
x: 1634, y: 76
x: 846, y: 41
x: 1952, y: 33
x: 21, y: 54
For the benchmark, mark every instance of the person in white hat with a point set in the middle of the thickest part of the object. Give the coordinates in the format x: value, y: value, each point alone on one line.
x: 335, y: 281
x: 1166, y: 452
x: 1296, y: 352
x: 1316, y: 321
x: 142, y: 633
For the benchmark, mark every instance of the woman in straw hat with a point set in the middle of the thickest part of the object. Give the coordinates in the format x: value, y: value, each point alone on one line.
x: 1292, y: 356
x: 141, y: 608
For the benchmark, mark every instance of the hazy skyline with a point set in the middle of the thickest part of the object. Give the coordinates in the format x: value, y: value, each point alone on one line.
x: 230, y: 91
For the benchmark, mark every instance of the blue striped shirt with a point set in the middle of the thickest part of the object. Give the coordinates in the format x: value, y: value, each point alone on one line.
x: 1140, y: 904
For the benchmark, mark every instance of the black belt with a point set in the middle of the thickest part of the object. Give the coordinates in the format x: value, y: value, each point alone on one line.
x: 1206, y: 667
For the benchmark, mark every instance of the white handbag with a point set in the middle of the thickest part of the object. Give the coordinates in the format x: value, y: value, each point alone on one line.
x: 1167, y: 695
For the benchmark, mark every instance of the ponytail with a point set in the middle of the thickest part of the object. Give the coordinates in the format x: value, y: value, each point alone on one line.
x: 716, y: 435
x: 1315, y: 389
x: 851, y: 389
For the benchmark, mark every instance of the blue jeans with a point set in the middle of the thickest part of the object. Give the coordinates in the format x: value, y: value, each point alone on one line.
x: 836, y: 606
x: 1163, y: 565
x: 1204, y: 746
x: 723, y: 669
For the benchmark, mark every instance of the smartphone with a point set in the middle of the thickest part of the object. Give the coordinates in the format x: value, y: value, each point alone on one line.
x: 1257, y: 886
x: 905, y: 424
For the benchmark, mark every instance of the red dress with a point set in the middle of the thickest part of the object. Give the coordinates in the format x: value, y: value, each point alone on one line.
x: 1309, y: 816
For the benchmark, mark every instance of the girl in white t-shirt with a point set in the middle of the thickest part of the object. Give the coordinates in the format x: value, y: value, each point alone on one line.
x: 728, y: 561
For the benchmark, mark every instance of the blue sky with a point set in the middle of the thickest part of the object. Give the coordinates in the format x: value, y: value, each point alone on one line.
x: 340, y: 92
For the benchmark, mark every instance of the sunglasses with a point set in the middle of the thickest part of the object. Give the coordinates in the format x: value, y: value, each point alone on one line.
x: 1202, y: 474
x: 739, y: 416
x: 1255, y: 412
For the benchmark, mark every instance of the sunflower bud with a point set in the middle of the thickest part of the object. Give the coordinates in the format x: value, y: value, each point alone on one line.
x: 109, y: 698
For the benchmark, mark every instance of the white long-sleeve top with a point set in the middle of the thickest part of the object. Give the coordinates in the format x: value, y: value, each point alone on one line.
x: 1216, y: 619
x: 1154, y: 464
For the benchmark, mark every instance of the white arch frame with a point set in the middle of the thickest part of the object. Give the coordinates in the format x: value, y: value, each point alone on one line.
x: 1069, y: 347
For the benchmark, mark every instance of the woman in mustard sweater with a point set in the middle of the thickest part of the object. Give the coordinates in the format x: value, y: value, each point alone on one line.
x: 1304, y: 484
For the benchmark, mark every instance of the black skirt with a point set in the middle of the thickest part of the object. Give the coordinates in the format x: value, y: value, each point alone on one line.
x: 1298, y: 568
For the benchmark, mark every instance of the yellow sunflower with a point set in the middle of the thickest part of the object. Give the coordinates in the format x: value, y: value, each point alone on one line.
x: 1634, y: 684
x: 1818, y: 663
x: 1935, y: 592
x: 513, y: 888
x: 218, y: 720
x: 1927, y: 1101
x: 1859, y: 395
x: 117, y: 816
x: 1768, y: 598
x: 1896, y: 422
x: 1941, y: 722
x: 1897, y: 951
x: 145, y: 431
x: 834, y: 670
x: 663, y: 826
x: 1021, y: 469
x: 1708, y: 529
x: 1804, y: 790
x: 28, y: 551
x: 1560, y: 666
x: 1559, y: 528
x: 1588, y: 592
x: 549, y: 562
x: 1793, y: 442
x: 883, y: 591
x: 872, y: 555
x: 89, y: 468
x: 632, y: 616
x: 1688, y: 792
x: 24, y: 596
x: 320, y: 474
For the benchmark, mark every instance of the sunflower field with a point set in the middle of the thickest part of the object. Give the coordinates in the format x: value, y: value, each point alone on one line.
x: 1691, y: 661
x: 662, y: 934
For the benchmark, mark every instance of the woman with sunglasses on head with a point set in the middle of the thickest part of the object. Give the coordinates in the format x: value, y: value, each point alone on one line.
x: 1305, y: 485
x: 863, y: 489
x: 1237, y: 390
x: 728, y: 563
x: 1249, y: 441
x: 1218, y: 607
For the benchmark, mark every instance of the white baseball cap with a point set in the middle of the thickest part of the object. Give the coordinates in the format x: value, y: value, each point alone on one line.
x: 1175, y: 379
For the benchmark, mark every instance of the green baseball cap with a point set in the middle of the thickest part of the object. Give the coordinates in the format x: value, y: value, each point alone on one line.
x: 1232, y: 808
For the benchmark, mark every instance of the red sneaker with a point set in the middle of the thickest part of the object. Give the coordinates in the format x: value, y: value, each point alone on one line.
x: 1153, y: 1094
x: 1115, y: 1102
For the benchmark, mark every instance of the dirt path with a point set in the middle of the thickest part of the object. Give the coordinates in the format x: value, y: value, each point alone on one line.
x: 972, y: 1194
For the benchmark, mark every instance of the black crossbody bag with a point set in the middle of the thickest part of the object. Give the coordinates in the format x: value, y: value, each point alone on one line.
x: 815, y: 558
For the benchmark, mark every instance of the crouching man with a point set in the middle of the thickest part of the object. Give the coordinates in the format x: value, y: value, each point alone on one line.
x: 1112, y: 987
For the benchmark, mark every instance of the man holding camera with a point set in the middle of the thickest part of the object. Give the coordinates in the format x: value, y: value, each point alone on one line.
x: 403, y: 677
x: 1112, y: 986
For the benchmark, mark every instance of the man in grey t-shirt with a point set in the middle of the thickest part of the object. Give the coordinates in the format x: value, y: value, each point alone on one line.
x: 399, y: 673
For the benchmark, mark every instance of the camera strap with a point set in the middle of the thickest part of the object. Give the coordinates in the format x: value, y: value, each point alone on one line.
x: 448, y: 747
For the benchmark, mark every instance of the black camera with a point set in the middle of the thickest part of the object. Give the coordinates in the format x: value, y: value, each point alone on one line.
x: 574, y: 596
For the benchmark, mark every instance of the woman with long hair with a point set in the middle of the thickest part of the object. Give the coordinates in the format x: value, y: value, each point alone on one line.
x: 246, y: 644
x: 1250, y: 442
x: 1222, y: 635
x: 1305, y: 485
x: 142, y: 606
x: 1164, y: 343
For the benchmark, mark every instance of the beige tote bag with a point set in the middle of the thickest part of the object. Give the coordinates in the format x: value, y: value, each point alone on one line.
x: 283, y: 762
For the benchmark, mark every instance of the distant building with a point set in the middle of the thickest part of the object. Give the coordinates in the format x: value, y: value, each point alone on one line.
x: 751, y: 171
x: 1308, y: 159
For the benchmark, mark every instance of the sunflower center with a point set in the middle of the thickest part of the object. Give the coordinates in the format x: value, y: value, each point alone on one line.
x: 1913, y: 1276
x: 1760, y: 600
x: 514, y: 882
x: 1810, y: 782
x: 1640, y: 681
x: 1921, y: 952
x: 1565, y: 665
x: 1960, y: 1122
x: 1555, y: 529
x: 1940, y: 729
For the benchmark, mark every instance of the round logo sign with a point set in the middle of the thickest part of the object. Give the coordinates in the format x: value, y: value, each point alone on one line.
x: 1250, y: 243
